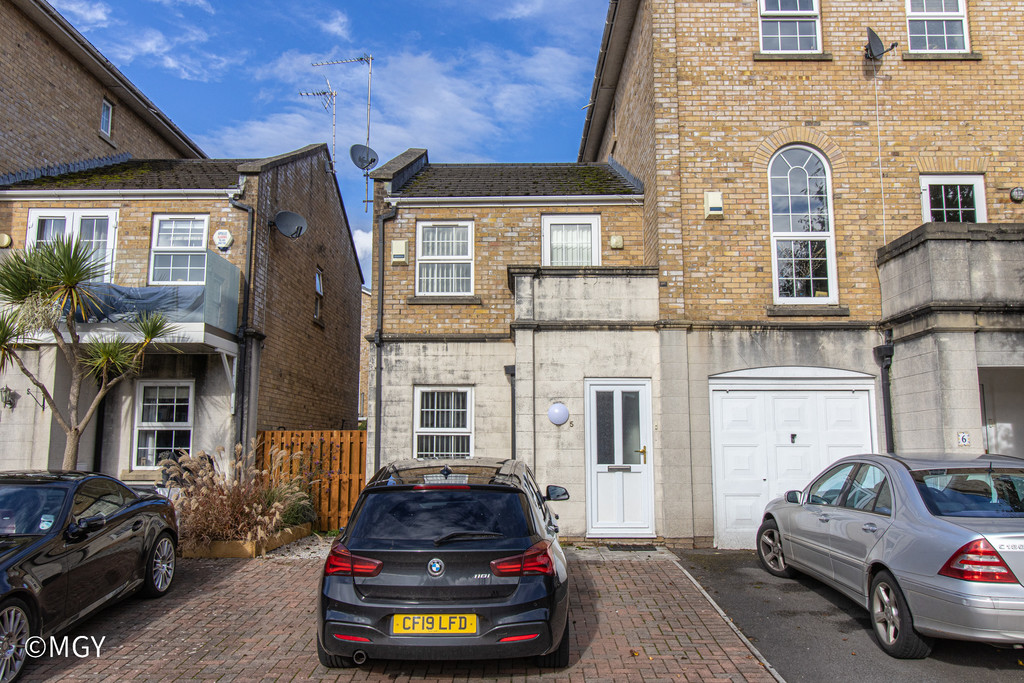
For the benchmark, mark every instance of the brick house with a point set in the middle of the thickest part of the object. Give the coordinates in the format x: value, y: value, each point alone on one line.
x: 268, y: 322
x: 831, y: 243
x: 66, y: 106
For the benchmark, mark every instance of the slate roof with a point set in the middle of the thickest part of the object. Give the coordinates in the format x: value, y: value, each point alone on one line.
x: 145, y: 174
x: 516, y: 180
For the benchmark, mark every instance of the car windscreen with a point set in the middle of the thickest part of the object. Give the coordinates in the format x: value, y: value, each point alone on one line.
x: 406, y: 518
x: 972, y: 492
x: 27, y: 509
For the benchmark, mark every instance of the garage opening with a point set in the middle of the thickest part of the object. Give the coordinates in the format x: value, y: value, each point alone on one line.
x: 1002, y: 409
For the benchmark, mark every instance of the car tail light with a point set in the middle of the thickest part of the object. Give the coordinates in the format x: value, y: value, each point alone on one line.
x: 351, y: 639
x: 978, y: 561
x: 519, y: 639
x: 340, y: 562
x: 536, y: 560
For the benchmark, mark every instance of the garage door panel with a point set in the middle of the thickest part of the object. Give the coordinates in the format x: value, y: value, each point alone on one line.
x: 743, y: 516
x: 793, y: 412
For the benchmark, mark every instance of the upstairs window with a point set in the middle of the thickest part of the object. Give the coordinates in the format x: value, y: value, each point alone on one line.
x: 444, y: 422
x: 318, y: 294
x: 937, y: 25
x: 790, y: 26
x: 106, y: 117
x: 953, y: 198
x: 178, y: 255
x: 571, y: 241
x: 95, y: 228
x: 444, y: 258
x: 803, y: 241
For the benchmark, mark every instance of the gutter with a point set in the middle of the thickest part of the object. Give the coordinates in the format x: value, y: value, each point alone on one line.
x: 582, y: 200
x: 243, y: 329
x: 378, y: 337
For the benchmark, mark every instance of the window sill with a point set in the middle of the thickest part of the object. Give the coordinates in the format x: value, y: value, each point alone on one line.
x: 106, y: 139
x: 816, y: 310
x: 319, y: 323
x: 792, y: 57
x: 444, y: 300
x: 941, y: 56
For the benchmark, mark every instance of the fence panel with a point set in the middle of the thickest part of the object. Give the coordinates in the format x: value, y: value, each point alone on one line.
x: 333, y: 462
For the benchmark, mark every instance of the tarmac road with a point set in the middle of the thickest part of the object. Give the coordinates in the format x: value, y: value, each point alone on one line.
x: 811, y: 633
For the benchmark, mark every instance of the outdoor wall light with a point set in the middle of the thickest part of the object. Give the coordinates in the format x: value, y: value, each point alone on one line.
x: 1017, y: 194
x: 7, y: 397
x: 558, y: 413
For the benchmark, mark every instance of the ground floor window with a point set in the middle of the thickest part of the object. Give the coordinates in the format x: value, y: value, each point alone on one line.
x: 163, y: 422
x: 444, y: 422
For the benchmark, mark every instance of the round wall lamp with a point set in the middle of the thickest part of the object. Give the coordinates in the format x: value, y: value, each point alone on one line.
x: 1017, y: 194
x: 558, y: 413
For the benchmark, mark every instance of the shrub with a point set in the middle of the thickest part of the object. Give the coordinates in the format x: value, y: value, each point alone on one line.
x: 238, y: 505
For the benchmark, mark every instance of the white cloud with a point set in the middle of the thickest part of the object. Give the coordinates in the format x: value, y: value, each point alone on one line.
x: 201, y: 4
x: 84, y: 14
x: 364, y: 245
x: 178, y: 54
x: 337, y: 25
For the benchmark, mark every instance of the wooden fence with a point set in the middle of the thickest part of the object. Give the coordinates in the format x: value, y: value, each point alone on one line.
x: 333, y: 462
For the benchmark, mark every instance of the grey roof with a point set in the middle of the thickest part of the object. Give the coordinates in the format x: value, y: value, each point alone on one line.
x: 145, y: 174
x: 516, y: 180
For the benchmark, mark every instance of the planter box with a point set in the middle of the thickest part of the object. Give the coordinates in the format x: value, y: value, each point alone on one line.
x: 220, y: 549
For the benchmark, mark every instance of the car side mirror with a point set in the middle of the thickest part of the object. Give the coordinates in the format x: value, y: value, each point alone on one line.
x: 556, y: 493
x: 85, y: 525
x: 793, y: 496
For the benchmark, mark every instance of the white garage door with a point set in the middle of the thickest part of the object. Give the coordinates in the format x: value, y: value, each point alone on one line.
x: 770, y: 437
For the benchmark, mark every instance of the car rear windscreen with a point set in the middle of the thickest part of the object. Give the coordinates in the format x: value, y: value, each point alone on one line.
x: 417, y: 515
x: 29, y: 509
x: 975, y: 492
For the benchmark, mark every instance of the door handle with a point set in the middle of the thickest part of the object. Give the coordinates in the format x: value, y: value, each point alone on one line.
x: 823, y: 518
x: 643, y: 452
x: 870, y: 527
x: 137, y: 525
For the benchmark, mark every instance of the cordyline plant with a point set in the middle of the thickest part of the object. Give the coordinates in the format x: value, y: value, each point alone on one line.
x: 50, y: 290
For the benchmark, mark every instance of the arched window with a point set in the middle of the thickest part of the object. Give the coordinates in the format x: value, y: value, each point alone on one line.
x: 803, y: 240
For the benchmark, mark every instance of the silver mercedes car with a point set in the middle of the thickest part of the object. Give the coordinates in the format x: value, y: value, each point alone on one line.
x: 931, y: 546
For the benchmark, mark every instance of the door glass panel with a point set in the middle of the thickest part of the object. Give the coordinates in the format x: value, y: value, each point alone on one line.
x: 830, y: 485
x: 631, y: 428
x: 605, y: 427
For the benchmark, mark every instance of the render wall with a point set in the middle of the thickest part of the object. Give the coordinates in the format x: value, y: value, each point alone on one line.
x: 309, y: 369
x: 51, y: 110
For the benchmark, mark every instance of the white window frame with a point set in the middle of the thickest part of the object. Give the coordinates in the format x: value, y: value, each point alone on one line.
x: 154, y: 249
x: 766, y: 14
x: 72, y: 229
x: 139, y: 425
x: 594, y: 220
x: 442, y: 431
x: 828, y: 237
x: 959, y: 15
x: 978, y: 181
x: 106, y: 117
x: 318, y: 292
x: 422, y: 260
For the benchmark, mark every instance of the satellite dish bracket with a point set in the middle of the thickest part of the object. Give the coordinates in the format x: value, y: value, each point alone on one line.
x: 875, y: 48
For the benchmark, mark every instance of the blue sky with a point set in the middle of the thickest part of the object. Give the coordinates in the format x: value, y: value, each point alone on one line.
x: 470, y: 80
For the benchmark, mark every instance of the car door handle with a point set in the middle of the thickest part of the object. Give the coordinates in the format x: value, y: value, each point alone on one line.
x: 823, y: 518
x: 137, y: 525
x: 870, y: 527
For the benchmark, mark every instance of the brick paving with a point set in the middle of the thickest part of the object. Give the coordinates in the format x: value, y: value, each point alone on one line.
x: 636, y: 616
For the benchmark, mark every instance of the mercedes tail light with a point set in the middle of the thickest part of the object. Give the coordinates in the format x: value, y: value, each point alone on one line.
x: 978, y: 561
x: 340, y: 562
x: 536, y: 560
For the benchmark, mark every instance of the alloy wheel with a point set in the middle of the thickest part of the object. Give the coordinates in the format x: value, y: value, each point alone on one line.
x: 771, y: 549
x: 14, y: 633
x: 163, y: 564
x: 885, y: 613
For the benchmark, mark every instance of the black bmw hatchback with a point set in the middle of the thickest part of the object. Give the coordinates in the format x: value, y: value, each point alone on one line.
x: 454, y: 559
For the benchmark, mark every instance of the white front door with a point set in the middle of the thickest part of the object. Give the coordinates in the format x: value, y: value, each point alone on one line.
x: 766, y: 441
x: 620, y: 481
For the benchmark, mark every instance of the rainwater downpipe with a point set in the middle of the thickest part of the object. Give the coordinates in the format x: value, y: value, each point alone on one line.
x: 510, y: 372
x: 884, y: 354
x: 243, y: 329
x: 378, y: 337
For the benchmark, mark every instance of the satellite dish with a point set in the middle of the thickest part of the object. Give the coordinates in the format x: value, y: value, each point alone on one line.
x: 290, y: 224
x: 875, y: 49
x: 363, y: 157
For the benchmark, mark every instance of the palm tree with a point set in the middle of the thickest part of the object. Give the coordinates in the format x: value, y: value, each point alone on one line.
x: 50, y: 290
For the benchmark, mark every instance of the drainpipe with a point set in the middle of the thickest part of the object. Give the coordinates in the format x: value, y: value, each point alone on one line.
x: 243, y: 329
x: 378, y: 336
x: 510, y: 372
x: 883, y: 355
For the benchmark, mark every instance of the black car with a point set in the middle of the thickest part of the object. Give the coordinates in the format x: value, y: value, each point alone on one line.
x: 71, y: 543
x: 453, y: 559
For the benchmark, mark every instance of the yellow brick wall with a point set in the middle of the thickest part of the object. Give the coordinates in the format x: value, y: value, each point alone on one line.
x: 50, y: 109
x: 720, y: 113
x: 502, y: 236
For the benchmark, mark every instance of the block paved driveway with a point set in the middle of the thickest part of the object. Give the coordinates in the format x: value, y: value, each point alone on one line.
x: 636, y: 616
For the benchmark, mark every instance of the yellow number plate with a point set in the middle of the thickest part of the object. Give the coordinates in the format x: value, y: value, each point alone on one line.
x: 433, y: 624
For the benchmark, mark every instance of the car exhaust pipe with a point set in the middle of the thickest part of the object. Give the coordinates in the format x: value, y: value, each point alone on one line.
x: 359, y: 657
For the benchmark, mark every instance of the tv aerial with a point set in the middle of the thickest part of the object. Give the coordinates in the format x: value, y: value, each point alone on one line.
x: 362, y: 156
x: 875, y: 48
x: 329, y: 98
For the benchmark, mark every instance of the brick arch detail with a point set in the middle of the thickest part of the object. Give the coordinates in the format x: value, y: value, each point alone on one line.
x: 799, y: 135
